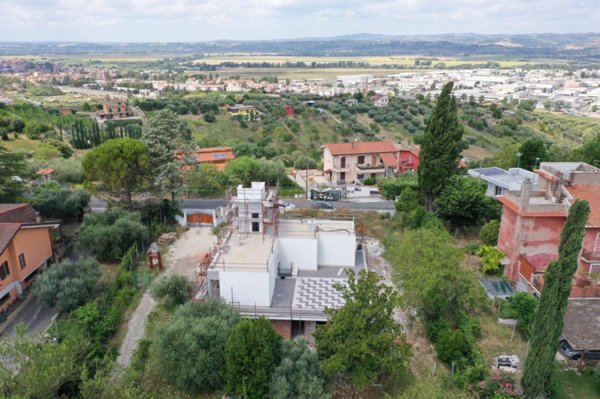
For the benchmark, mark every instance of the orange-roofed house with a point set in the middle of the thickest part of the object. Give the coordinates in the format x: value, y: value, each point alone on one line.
x: 25, y: 248
x: 346, y: 163
x: 532, y: 222
x: 218, y: 156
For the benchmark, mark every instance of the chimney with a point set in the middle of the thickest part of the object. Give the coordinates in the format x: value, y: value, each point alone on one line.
x: 525, y: 194
x: 38, y: 217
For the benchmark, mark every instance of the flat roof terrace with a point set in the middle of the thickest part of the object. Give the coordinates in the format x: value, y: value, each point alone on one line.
x: 250, y: 253
x: 308, y: 227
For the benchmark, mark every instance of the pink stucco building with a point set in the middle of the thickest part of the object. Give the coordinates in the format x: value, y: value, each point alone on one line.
x: 532, y: 222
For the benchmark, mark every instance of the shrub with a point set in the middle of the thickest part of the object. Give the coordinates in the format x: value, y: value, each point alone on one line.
x: 172, y: 290
x: 190, y: 348
x: 370, y: 181
x: 391, y: 188
x: 68, y: 284
x: 520, y: 306
x: 299, y: 375
x: 110, y: 234
x: 490, y: 258
x: 252, y: 353
x: 51, y: 200
x: 489, y: 233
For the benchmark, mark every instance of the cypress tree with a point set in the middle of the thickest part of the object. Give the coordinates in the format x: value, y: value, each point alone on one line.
x: 550, y: 313
x: 441, y: 147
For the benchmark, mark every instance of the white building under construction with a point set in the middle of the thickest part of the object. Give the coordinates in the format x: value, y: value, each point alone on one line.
x: 283, y: 269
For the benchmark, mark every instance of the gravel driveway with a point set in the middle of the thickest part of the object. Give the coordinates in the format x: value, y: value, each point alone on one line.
x: 181, y: 259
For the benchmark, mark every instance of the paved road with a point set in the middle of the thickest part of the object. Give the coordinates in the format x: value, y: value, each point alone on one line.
x: 202, y: 203
x: 36, y: 318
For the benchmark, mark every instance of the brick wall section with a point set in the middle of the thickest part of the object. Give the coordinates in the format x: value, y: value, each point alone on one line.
x: 283, y: 328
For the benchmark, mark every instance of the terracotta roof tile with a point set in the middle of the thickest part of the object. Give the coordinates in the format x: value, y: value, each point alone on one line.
x: 590, y: 193
x: 7, y: 232
x: 45, y: 172
x: 17, y: 213
x: 366, y: 147
x: 389, y: 159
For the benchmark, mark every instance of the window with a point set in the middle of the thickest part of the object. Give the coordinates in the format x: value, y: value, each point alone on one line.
x: 254, y: 215
x: 497, y: 190
x: 597, y: 246
x: 4, y: 271
x: 22, y: 261
x: 343, y: 176
x: 361, y: 159
x: 595, y: 268
x: 343, y: 162
x: 361, y: 176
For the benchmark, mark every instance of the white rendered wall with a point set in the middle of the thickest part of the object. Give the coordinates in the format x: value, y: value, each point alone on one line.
x: 272, y: 272
x: 249, y: 288
x: 336, y: 250
x: 301, y: 251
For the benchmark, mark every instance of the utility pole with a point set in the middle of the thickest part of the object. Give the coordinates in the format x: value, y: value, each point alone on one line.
x: 306, y: 180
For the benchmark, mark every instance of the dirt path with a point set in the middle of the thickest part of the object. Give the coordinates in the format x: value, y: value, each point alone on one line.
x: 181, y: 259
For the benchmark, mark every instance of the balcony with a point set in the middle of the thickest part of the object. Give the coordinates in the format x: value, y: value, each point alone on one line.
x: 590, y: 257
x: 371, y: 168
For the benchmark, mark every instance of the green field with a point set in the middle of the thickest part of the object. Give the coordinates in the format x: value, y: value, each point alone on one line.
x: 571, y: 385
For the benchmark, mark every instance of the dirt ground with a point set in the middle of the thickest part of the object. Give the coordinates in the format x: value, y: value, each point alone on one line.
x: 181, y: 259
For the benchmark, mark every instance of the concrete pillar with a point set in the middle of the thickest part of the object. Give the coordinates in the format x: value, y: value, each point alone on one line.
x: 525, y: 194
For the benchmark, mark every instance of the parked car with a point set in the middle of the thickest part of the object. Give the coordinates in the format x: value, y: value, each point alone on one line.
x: 286, y: 205
x: 575, y: 354
x: 508, y: 363
x: 321, y: 205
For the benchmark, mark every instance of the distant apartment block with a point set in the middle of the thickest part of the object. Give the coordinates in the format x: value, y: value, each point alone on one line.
x: 114, y: 110
x: 532, y: 222
x: 283, y: 269
x: 499, y: 181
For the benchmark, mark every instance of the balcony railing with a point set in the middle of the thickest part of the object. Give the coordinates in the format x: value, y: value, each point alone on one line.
x: 370, y: 167
x: 590, y: 257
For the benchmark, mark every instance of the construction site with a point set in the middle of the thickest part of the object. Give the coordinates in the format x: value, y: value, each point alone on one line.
x: 280, y: 268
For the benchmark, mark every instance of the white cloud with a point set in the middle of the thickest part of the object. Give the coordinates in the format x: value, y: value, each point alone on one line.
x: 169, y: 20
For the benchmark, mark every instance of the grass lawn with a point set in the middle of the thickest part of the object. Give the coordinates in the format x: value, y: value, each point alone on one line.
x: 572, y: 385
x: 22, y: 143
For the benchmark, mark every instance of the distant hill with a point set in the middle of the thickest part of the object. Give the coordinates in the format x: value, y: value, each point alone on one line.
x: 571, y: 46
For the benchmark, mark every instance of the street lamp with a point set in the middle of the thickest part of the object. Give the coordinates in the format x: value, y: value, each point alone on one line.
x: 519, y: 155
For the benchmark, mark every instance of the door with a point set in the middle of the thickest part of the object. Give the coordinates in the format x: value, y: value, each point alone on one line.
x: 255, y: 226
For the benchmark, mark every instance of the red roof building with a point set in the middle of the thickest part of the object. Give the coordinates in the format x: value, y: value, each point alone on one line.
x: 345, y: 163
x: 218, y: 156
x: 532, y: 223
x: 409, y: 159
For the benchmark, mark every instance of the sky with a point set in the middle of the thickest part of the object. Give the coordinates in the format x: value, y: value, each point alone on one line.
x: 206, y: 20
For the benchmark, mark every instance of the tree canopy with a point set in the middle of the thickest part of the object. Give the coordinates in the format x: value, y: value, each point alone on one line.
x: 299, y: 375
x: 68, y: 284
x: 549, y: 316
x: 463, y: 202
x: 164, y: 136
x: 11, y: 164
x: 120, y: 165
x: 533, y: 152
x: 362, y: 343
x: 252, y: 352
x: 440, y: 148
x: 191, y: 348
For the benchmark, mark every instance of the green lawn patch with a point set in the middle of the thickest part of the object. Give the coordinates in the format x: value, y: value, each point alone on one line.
x: 572, y: 385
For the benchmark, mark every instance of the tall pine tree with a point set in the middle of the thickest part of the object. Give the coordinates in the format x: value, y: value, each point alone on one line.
x: 164, y: 135
x: 441, y: 147
x: 550, y: 313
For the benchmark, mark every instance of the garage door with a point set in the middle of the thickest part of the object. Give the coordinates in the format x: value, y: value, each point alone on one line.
x: 198, y: 218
